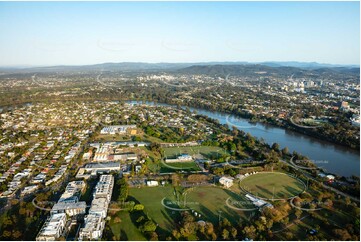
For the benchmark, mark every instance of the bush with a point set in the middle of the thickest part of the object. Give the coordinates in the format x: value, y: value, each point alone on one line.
x: 148, y: 226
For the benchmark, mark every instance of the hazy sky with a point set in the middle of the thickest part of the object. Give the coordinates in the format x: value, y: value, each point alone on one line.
x: 89, y: 32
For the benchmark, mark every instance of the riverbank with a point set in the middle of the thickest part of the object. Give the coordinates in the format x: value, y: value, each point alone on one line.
x: 332, y: 157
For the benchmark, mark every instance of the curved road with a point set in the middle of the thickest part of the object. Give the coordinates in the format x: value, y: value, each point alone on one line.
x: 302, y: 126
x: 325, y: 186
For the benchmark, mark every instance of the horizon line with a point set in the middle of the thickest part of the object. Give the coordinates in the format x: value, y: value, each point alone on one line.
x: 25, y: 66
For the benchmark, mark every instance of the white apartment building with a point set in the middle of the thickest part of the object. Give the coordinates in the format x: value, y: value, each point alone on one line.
x: 93, y: 227
x: 70, y: 208
x: 72, y: 189
x: 53, y: 228
x: 99, y: 206
x: 104, y: 187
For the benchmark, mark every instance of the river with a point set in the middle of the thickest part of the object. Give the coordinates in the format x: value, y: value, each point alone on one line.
x: 333, y: 158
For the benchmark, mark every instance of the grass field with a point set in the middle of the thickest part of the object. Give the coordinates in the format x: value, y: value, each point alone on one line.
x: 178, y: 166
x: 207, y: 201
x: 272, y: 185
x: 211, y: 203
x: 151, y: 198
x: 125, y: 230
x: 210, y: 152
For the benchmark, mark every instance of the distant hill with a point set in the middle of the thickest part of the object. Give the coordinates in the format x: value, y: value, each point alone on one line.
x: 305, y: 65
x: 211, y: 68
x: 252, y: 70
x: 241, y: 70
x: 124, y: 66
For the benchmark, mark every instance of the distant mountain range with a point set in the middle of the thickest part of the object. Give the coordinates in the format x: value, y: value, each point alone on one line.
x: 201, y: 67
x: 258, y: 70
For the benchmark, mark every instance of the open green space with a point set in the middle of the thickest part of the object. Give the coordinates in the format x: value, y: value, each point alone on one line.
x: 125, y: 229
x: 178, y: 166
x: 210, y: 202
x: 274, y: 185
x: 210, y: 152
x: 151, y: 198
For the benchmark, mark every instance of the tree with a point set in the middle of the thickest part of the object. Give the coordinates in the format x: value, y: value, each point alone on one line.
x: 329, y: 203
x: 175, y: 179
x: 176, y: 234
x: 285, y: 151
x: 249, y: 231
x: 209, y: 228
x: 298, y: 213
x: 347, y: 201
x: 148, y: 226
x: 140, y: 219
x: 225, y: 234
x: 272, y: 157
x: 225, y: 223
x: 234, y: 232
x: 342, y: 234
x: 124, y: 190
x: 289, y: 235
x: 153, y: 236
x: 218, y: 171
x: 138, y: 207
x: 275, y: 147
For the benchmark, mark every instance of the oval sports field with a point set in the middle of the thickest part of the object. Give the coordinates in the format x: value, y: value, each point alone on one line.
x: 272, y: 185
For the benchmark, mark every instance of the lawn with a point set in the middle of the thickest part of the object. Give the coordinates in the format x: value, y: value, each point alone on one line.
x: 207, y: 201
x: 151, y: 198
x: 211, y: 203
x: 178, y: 166
x: 125, y: 229
x: 210, y: 152
x: 272, y: 185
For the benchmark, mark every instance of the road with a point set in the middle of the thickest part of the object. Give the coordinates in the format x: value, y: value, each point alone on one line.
x: 324, y: 185
x: 302, y: 126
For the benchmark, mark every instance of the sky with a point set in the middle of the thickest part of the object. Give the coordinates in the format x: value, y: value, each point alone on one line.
x: 80, y: 33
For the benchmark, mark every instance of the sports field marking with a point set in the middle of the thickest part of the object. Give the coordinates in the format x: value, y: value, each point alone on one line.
x: 260, y: 183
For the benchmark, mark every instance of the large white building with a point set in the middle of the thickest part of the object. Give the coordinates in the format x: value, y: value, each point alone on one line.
x: 99, y: 206
x: 93, y: 227
x: 117, y: 129
x: 73, y: 188
x: 94, y: 222
x: 70, y: 208
x: 53, y: 228
x: 102, y: 167
x: 226, y: 181
x: 258, y: 202
x: 102, y: 153
x: 104, y: 187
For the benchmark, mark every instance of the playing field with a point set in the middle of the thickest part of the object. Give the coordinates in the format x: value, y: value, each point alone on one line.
x: 274, y: 185
x: 151, y: 198
x: 210, y: 152
x: 178, y: 166
x: 210, y: 202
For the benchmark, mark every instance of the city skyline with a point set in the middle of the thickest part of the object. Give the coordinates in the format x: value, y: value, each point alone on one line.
x: 82, y: 33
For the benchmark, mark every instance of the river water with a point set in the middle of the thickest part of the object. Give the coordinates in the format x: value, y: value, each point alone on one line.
x: 333, y: 158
